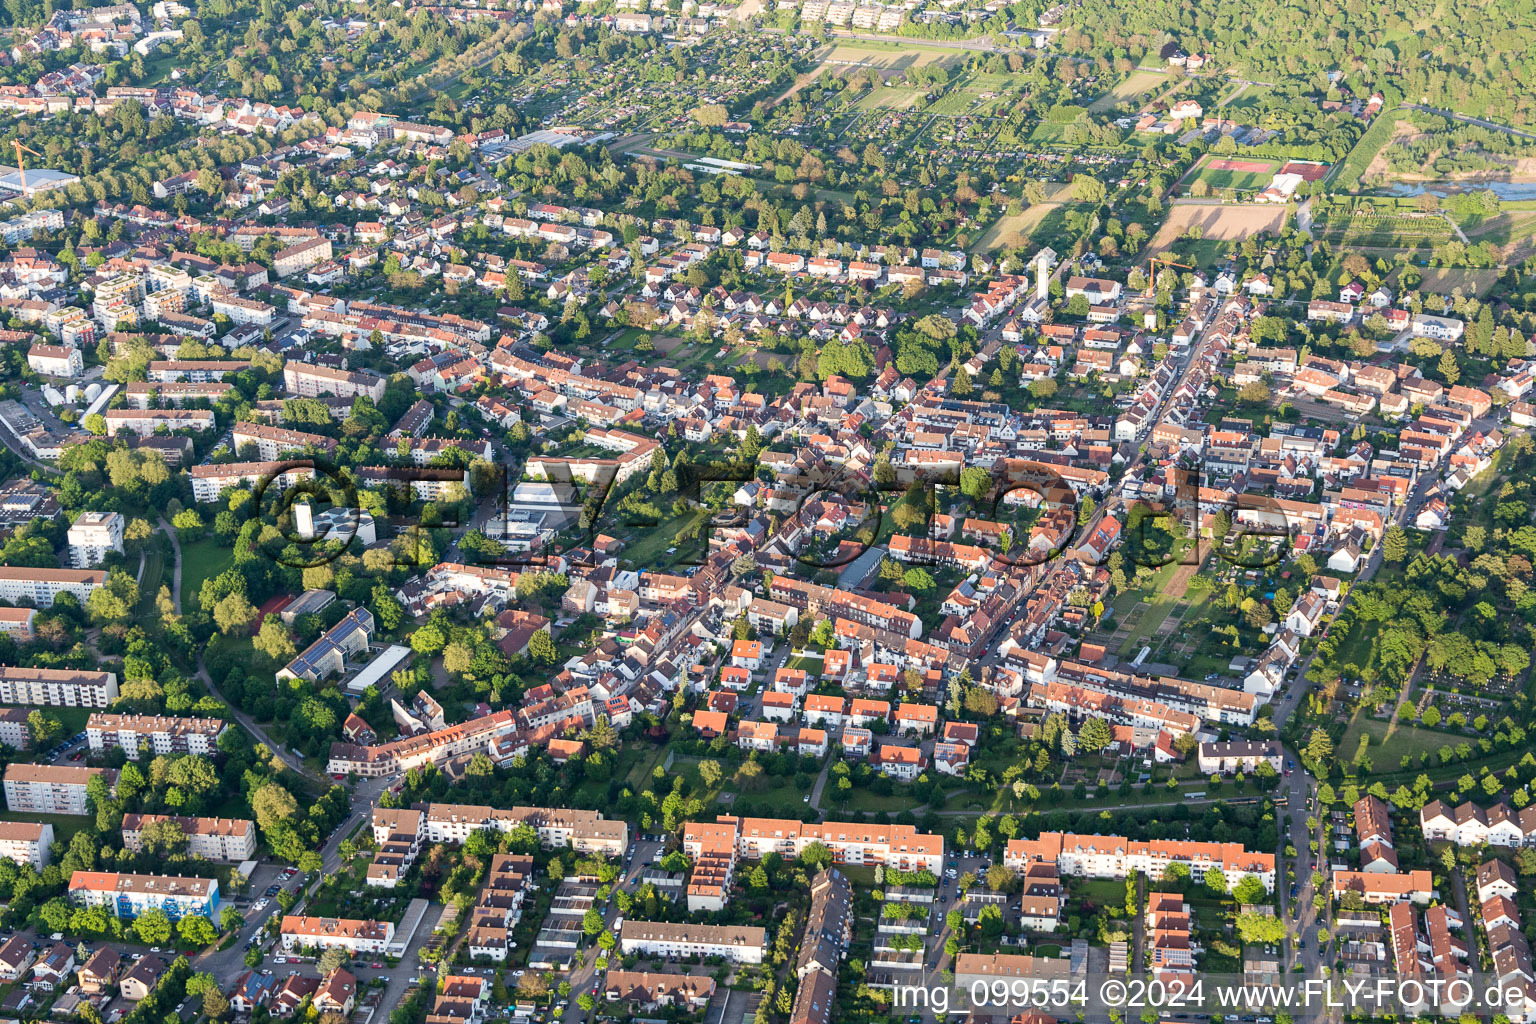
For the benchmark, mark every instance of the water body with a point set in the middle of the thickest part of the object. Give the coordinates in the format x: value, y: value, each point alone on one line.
x: 1511, y: 190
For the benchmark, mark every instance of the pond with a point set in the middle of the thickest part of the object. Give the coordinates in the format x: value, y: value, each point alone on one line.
x: 1511, y: 190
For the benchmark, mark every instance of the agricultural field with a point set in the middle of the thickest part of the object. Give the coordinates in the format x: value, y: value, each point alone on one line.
x: 891, y: 98
x: 1217, y: 222
x: 1013, y: 230
x: 1377, y: 228
x: 1137, y: 83
x: 1445, y: 280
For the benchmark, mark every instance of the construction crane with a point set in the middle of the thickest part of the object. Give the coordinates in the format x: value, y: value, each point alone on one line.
x: 1152, y: 266
x: 20, y: 165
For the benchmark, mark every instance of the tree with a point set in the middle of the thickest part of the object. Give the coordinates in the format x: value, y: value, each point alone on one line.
x: 816, y: 855
x: 1394, y: 544
x: 710, y: 773
x: 55, y: 914
x: 233, y: 613
x: 1094, y: 735
x: 1253, y: 393
x: 1319, y: 750
x: 1256, y: 929
x: 273, y: 805
x: 428, y: 640
x: 152, y: 927
x: 458, y: 657
x: 1250, y: 890
x: 542, y: 649
x: 1450, y: 370
x: 274, y: 641
x: 196, y: 930
x: 331, y: 960
x: 44, y: 730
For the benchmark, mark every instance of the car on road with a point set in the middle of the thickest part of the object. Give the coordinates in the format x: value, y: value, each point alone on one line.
x: 377, y: 966
x: 279, y: 959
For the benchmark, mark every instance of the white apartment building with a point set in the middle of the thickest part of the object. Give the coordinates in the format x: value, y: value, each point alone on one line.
x: 310, y: 381
x: 93, y: 536
x: 270, y: 442
x: 26, y: 842
x: 209, y: 481
x: 51, y: 789
x: 159, y: 734
x: 147, y: 421
x: 243, y: 311
x: 56, y: 360
x: 41, y: 586
x: 13, y: 728
x: 57, y: 687
x: 1094, y: 856
x: 742, y: 945
x: 230, y: 840
x: 350, y: 934
x: 583, y: 831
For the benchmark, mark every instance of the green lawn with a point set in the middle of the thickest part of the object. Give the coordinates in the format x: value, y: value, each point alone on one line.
x: 865, y: 801
x: 201, y: 560
x: 650, y: 548
x: 1387, y: 746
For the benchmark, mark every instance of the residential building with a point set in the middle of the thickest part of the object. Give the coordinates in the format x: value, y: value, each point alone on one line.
x: 57, y: 687
x: 26, y: 842
x: 41, y: 586
x: 738, y: 944
x: 354, y: 936
x: 125, y: 895
x: 93, y: 536
x: 158, y: 734
x: 52, y: 789
x: 230, y: 840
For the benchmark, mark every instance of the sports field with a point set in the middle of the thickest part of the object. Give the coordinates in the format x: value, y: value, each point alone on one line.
x: 1245, y: 175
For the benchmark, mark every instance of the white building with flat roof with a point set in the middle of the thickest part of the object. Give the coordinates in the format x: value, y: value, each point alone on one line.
x: 94, y: 536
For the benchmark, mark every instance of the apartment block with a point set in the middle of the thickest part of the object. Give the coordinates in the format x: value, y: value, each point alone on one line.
x: 159, y: 734
x: 350, y: 934
x: 128, y: 896
x: 583, y: 831
x: 94, y: 536
x: 310, y: 381
x: 52, y: 789
x: 742, y: 945
x: 1116, y: 857
x: 26, y: 842
x: 231, y: 840
x: 208, y: 482
x: 41, y: 586
x: 57, y: 687
x: 148, y: 421
x: 271, y: 442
